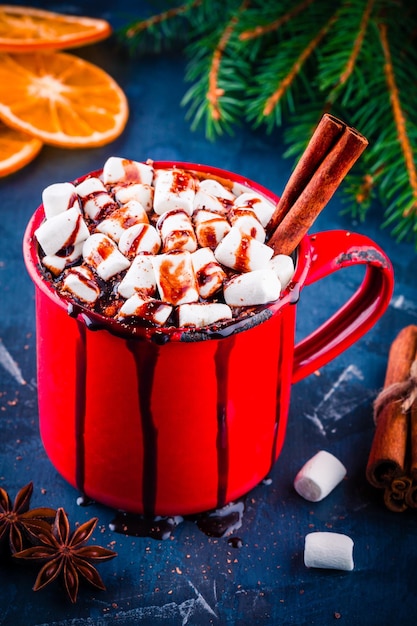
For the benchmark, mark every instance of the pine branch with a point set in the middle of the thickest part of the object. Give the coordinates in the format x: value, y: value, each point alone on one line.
x: 400, y: 121
x: 212, y: 60
x: 278, y: 62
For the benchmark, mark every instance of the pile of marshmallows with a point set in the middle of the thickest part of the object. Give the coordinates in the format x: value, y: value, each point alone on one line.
x: 170, y: 243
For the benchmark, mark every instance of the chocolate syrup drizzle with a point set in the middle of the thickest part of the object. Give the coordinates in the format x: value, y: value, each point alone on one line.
x: 278, y: 395
x: 221, y: 358
x: 80, y: 402
x: 219, y: 523
x: 146, y: 356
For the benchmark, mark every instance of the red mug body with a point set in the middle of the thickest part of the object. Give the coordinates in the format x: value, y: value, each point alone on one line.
x: 183, y: 422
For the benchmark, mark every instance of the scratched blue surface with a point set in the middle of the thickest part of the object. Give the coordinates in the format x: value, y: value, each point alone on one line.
x: 191, y: 578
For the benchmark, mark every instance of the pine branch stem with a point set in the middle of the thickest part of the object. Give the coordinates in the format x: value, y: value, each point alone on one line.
x: 214, y: 92
x: 144, y: 25
x: 260, y: 31
x: 399, y: 117
x: 365, y: 189
x: 273, y: 100
x: 356, y: 48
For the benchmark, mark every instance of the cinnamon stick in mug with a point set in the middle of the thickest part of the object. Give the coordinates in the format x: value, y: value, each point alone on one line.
x: 321, y: 185
x: 324, y: 138
x: 388, y: 455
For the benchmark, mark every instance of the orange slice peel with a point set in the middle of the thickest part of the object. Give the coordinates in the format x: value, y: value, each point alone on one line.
x: 17, y: 149
x: 27, y: 29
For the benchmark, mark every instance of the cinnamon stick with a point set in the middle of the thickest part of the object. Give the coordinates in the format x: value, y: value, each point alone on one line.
x: 314, y: 182
x: 396, y: 494
x: 324, y: 138
x: 388, y: 456
x: 413, y: 438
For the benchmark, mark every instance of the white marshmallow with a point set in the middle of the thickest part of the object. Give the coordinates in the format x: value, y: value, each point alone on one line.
x: 59, y: 197
x: 252, y: 288
x: 123, y: 218
x: 245, y: 219
x: 241, y: 252
x: 119, y: 170
x: 203, y: 314
x: 319, y: 476
x: 90, y: 185
x: 174, y: 189
x: 210, y: 228
x: 140, y: 277
x: 204, y: 200
x: 209, y: 273
x: 101, y: 253
x: 80, y: 283
x: 175, y: 277
x: 94, y: 198
x: 262, y: 207
x: 139, y: 238
x: 56, y: 263
x: 283, y: 266
x: 61, y: 231
x: 328, y: 550
x: 177, y: 232
x: 139, y: 192
x: 149, y: 309
x: 214, y: 188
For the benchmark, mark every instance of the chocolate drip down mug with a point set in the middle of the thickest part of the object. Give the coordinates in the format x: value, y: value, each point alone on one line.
x: 177, y: 421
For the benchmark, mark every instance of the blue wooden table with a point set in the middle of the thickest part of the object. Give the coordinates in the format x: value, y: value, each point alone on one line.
x: 192, y: 578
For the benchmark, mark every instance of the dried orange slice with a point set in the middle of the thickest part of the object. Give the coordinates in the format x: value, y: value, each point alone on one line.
x: 17, y: 149
x: 25, y: 29
x: 61, y: 99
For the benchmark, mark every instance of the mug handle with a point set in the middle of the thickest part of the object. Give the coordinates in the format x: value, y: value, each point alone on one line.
x: 360, y: 312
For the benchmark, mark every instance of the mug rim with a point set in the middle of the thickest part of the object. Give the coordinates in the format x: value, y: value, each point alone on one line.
x: 95, y: 321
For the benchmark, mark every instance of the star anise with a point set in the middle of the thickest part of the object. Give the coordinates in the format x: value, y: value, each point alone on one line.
x: 16, y: 520
x: 66, y: 555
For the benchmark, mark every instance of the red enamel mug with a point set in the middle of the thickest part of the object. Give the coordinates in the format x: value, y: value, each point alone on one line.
x: 174, y: 421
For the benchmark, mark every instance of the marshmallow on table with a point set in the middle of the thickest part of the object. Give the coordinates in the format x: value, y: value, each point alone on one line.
x: 139, y: 238
x: 126, y: 171
x: 210, y: 228
x: 242, y: 252
x: 283, y: 266
x: 139, y: 278
x: 262, y: 207
x: 123, y: 218
x: 95, y: 199
x: 102, y: 254
x: 328, y: 550
x: 174, y: 189
x: 319, y: 476
x: 146, y: 308
x: 203, y: 314
x: 59, y: 197
x: 56, y: 263
x: 209, y: 273
x: 137, y: 191
x: 175, y: 277
x: 245, y: 219
x: 62, y: 231
x: 214, y: 188
x: 252, y: 288
x: 204, y: 200
x: 80, y: 283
